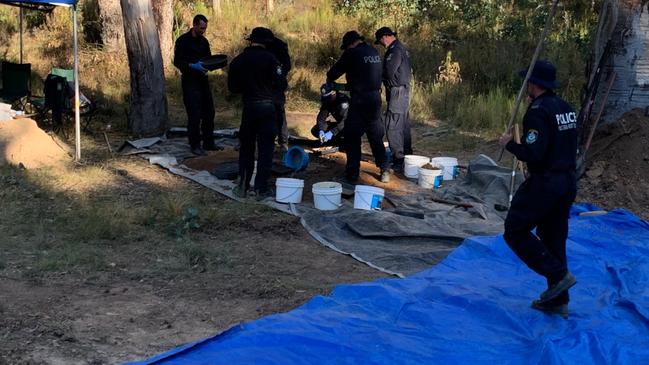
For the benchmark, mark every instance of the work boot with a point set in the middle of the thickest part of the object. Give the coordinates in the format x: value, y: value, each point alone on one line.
x: 349, y: 179
x: 264, y: 194
x: 567, y: 282
x: 240, y: 191
x: 397, y: 166
x: 550, y: 308
x: 199, y: 151
x: 385, y: 176
x: 212, y: 147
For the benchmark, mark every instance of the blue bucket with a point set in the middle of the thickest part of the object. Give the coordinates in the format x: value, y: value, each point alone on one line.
x: 296, y: 158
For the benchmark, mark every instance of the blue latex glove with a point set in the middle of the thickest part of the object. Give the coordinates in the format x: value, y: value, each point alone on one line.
x: 321, y: 136
x: 327, y: 136
x: 198, y: 67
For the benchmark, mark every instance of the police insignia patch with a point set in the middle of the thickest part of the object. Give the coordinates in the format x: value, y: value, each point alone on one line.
x: 532, y: 136
x: 279, y: 70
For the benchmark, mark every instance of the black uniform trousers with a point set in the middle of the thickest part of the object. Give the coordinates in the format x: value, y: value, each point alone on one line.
x: 543, y: 202
x: 282, y: 127
x: 364, y: 117
x: 397, y: 122
x: 197, y: 98
x: 258, y: 130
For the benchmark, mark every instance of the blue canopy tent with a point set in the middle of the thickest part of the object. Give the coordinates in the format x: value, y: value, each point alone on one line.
x: 45, y: 5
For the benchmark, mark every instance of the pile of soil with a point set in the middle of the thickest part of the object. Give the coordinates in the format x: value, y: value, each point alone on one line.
x: 617, y: 172
x: 22, y: 143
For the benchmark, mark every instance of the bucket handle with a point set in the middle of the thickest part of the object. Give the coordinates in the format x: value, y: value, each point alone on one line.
x: 329, y: 200
x: 288, y: 196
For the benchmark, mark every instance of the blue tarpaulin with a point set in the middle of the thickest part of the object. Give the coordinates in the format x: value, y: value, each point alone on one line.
x: 473, y: 308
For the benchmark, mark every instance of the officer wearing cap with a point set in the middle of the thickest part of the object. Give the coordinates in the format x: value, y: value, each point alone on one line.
x: 197, y: 96
x: 543, y: 201
x: 335, y: 104
x: 361, y: 65
x: 279, y: 49
x: 397, y: 74
x: 256, y: 74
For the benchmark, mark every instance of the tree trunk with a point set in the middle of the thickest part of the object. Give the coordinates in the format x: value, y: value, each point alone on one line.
x: 216, y: 7
x: 163, y: 11
x: 628, y: 58
x: 112, y: 29
x: 148, y: 104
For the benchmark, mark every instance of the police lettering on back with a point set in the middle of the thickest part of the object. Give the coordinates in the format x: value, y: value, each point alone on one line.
x: 566, y: 121
x: 372, y: 59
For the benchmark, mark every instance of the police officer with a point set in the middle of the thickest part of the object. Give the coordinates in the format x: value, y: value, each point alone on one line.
x: 279, y: 49
x: 258, y: 76
x: 335, y: 104
x: 397, y: 74
x: 361, y: 64
x: 543, y: 201
x: 197, y: 96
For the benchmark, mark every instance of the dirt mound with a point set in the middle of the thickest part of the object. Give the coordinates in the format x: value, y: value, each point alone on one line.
x: 617, y: 175
x: 22, y: 142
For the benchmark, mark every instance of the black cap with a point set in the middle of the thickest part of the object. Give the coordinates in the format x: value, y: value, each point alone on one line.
x: 351, y: 37
x: 383, y: 31
x: 544, y: 74
x: 261, y: 35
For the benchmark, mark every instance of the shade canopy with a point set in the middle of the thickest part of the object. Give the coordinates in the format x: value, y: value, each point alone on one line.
x: 39, y: 4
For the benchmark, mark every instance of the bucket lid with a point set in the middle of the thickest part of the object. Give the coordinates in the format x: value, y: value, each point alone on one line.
x: 289, y: 182
x: 327, y: 187
x: 445, y: 159
x: 369, y: 189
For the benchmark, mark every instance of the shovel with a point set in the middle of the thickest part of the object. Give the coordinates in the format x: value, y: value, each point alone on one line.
x: 478, y: 208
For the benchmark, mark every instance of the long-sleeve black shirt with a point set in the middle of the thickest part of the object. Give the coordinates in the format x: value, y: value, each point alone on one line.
x: 397, y: 70
x: 279, y: 49
x: 549, y: 135
x: 362, y: 68
x: 190, y: 49
x: 337, y: 109
x: 257, y: 74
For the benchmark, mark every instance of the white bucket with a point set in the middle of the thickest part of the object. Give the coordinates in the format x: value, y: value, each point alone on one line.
x: 326, y: 195
x: 368, y: 197
x: 412, y: 163
x: 449, y: 166
x: 430, y: 179
x: 289, y: 190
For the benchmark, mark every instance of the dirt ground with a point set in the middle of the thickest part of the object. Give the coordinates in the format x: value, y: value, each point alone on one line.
x: 115, y: 260
x: 617, y: 174
x: 143, y: 290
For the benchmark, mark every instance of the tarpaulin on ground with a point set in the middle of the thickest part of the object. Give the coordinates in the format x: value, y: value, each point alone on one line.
x: 403, y: 245
x: 386, y: 240
x: 472, y: 308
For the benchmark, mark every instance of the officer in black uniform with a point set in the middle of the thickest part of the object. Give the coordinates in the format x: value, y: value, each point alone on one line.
x: 279, y: 48
x: 543, y: 201
x: 197, y: 96
x: 397, y: 74
x: 335, y: 104
x: 257, y: 74
x: 361, y: 64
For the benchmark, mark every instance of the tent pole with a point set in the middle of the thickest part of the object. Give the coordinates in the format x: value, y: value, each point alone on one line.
x: 21, y: 35
x: 77, y: 121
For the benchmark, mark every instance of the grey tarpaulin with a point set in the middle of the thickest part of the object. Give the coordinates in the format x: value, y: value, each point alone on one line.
x: 404, y: 245
x: 390, y: 242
